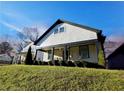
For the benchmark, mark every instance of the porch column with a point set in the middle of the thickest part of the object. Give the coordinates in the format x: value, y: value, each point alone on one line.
x: 52, y: 52
x: 35, y: 55
x: 65, y: 53
x: 69, y: 53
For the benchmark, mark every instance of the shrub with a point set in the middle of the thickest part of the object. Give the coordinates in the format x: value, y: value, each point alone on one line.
x: 50, y: 63
x: 44, y: 63
x: 92, y: 65
x: 28, y: 60
x: 79, y: 63
x: 60, y: 63
x: 70, y: 63
x: 63, y: 63
x: 40, y: 62
x: 57, y: 63
x: 36, y: 62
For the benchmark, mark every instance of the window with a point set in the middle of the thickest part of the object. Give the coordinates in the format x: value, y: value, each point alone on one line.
x: 49, y: 54
x: 56, y: 31
x: 62, y: 29
x: 84, y: 51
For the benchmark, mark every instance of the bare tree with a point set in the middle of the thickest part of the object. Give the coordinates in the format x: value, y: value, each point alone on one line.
x: 31, y: 33
x: 28, y: 35
x: 5, y: 48
x: 19, y: 45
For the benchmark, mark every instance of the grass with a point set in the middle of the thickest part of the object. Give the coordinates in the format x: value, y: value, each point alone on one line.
x: 24, y: 77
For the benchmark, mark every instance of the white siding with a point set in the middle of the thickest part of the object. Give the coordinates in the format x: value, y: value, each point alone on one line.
x: 71, y: 34
x: 42, y: 56
x: 39, y: 56
x: 74, y: 53
x: 45, y: 56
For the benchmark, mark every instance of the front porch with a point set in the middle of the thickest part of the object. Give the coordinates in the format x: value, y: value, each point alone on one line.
x: 79, y: 51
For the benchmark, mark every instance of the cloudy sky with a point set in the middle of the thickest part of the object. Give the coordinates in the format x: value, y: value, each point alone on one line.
x: 107, y: 16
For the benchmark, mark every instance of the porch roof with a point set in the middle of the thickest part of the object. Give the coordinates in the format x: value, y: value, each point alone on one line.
x: 70, y: 44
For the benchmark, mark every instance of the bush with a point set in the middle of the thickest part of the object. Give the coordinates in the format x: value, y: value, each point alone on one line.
x: 60, y: 63
x: 44, y: 63
x: 50, y: 63
x: 63, y: 63
x: 79, y: 63
x: 36, y: 62
x: 40, y: 62
x: 28, y: 60
x: 92, y: 65
x: 70, y: 63
x: 57, y: 63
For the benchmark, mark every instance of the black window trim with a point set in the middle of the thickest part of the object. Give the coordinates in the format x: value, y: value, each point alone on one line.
x: 61, y: 28
x: 87, y: 48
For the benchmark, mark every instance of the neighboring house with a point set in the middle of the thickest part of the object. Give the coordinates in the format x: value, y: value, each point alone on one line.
x: 110, y: 46
x: 8, y: 57
x: 116, y: 58
x: 5, y: 59
x: 69, y: 41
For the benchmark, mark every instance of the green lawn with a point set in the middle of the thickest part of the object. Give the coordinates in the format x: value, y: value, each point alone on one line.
x: 24, y: 77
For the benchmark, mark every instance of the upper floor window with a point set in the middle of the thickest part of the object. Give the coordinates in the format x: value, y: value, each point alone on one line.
x: 56, y: 31
x: 59, y: 30
x: 62, y: 29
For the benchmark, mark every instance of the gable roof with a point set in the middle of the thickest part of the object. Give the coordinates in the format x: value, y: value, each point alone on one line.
x: 59, y: 21
x: 116, y: 51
